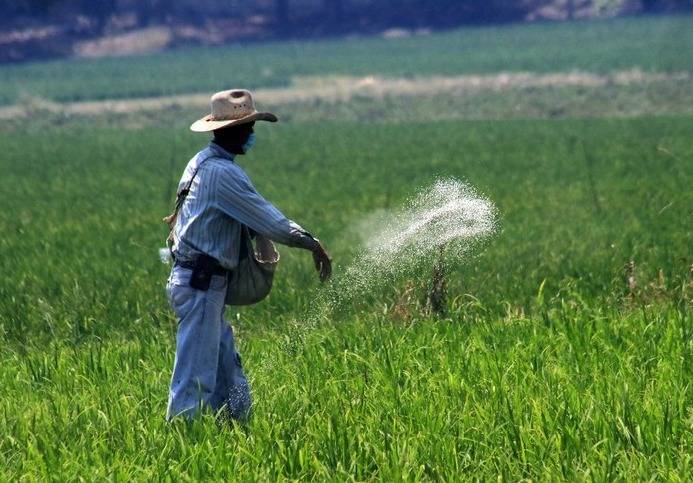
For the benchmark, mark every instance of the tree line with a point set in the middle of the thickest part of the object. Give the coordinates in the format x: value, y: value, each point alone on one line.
x: 304, y: 17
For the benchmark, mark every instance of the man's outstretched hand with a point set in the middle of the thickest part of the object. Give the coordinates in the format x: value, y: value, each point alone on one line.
x: 323, y: 263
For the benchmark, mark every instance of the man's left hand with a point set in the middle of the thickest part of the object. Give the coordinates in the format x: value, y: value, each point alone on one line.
x: 323, y: 263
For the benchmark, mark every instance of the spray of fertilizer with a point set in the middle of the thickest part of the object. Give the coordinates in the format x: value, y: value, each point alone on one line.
x: 448, y: 219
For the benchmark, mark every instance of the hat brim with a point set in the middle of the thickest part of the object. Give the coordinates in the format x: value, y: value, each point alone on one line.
x: 206, y: 125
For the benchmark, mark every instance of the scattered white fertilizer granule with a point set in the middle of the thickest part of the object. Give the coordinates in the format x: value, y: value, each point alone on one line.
x: 448, y: 216
x: 448, y: 213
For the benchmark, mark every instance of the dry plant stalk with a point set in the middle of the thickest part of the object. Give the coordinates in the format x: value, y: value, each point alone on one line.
x: 438, y: 293
x: 405, y: 302
x: 630, y: 279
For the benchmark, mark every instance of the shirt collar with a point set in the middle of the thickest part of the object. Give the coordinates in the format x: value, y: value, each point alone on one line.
x: 220, y: 152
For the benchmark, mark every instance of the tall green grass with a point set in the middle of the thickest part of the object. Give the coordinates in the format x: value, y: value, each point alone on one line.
x: 576, y: 393
x: 652, y: 44
x: 547, y: 364
x: 578, y: 200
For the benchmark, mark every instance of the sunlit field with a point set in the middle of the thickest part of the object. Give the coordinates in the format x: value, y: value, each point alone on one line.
x: 564, y: 348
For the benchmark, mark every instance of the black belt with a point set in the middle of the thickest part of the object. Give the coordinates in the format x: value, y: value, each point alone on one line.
x: 192, y: 265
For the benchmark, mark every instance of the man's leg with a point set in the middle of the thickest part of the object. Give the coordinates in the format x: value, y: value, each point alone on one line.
x: 232, y: 386
x: 197, y: 343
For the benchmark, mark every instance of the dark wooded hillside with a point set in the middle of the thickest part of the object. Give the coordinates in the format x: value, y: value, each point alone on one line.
x: 32, y: 29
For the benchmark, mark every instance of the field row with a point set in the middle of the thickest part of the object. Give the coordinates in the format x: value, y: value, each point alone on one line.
x: 502, y: 96
x: 651, y: 44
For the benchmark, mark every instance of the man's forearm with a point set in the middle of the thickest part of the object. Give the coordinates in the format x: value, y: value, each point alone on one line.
x: 300, y: 238
x: 287, y: 232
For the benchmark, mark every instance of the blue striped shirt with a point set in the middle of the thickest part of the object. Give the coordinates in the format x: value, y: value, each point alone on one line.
x: 221, y: 198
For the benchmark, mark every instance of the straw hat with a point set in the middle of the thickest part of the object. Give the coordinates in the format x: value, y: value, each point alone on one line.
x: 230, y: 108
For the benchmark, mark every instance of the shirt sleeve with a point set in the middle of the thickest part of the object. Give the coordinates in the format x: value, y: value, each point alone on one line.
x: 238, y: 198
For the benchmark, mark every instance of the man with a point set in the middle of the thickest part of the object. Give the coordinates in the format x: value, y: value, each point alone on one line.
x: 217, y: 198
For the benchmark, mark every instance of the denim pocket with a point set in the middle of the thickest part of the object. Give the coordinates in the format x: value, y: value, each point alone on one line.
x: 179, y: 276
x: 179, y: 297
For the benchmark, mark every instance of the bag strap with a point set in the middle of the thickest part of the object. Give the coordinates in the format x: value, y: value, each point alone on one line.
x: 180, y: 199
x: 182, y: 194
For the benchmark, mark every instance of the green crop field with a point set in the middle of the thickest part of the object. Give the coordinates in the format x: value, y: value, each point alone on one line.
x: 651, y: 44
x: 565, y: 350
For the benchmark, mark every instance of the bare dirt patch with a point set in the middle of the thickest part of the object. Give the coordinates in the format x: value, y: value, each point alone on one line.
x: 131, y: 43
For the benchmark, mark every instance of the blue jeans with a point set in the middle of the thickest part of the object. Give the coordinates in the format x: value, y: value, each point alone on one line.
x: 207, y: 371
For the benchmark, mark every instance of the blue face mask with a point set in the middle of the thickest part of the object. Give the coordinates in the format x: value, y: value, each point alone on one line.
x: 249, y: 143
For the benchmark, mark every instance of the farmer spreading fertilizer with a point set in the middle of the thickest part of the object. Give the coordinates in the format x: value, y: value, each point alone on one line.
x: 220, y: 240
